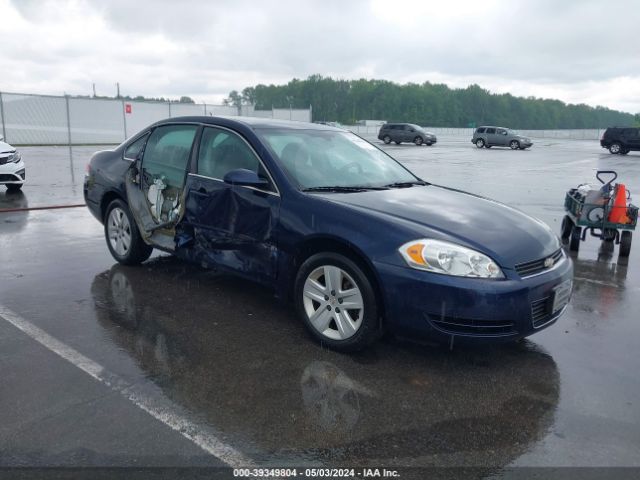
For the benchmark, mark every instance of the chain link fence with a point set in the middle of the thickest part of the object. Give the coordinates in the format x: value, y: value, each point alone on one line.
x: 27, y: 119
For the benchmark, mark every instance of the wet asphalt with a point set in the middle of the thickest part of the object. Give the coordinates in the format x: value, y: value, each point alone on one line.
x: 226, y: 355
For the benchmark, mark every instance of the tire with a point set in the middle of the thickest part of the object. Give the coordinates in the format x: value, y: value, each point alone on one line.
x: 488, y: 146
x: 337, y: 328
x: 565, y: 229
x: 574, y: 242
x: 514, y: 145
x: 417, y: 141
x: 122, y: 235
x: 386, y: 139
x: 14, y: 187
x: 480, y: 143
x: 625, y: 243
x: 624, y: 151
x: 615, y: 148
x: 428, y: 144
x: 398, y: 143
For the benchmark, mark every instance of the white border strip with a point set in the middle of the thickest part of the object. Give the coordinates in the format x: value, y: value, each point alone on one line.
x: 161, y: 409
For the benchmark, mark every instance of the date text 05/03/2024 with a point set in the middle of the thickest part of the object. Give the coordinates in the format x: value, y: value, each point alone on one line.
x: 315, y: 473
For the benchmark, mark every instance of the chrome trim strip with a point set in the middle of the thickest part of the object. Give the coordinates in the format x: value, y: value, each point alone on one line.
x: 555, y: 265
x: 276, y: 194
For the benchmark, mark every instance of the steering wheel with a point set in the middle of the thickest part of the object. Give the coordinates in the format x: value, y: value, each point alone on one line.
x: 350, y: 165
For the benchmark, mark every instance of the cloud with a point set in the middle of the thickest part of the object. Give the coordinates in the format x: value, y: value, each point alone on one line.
x: 204, y: 49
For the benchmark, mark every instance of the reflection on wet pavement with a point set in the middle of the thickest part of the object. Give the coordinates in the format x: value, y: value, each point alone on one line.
x: 239, y: 360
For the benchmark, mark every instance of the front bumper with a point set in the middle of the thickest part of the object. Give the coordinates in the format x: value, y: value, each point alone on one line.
x: 12, y: 173
x: 440, y: 307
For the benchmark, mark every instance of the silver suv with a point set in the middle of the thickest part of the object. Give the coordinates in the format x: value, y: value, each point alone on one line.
x: 500, y: 137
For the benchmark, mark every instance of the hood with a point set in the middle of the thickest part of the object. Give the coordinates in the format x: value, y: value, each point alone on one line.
x: 506, y: 234
x: 5, y: 147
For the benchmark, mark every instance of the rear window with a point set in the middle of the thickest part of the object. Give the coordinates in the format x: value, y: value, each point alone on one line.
x: 480, y: 130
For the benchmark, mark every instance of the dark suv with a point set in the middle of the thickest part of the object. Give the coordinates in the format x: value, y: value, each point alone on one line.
x: 405, y: 132
x: 621, y: 139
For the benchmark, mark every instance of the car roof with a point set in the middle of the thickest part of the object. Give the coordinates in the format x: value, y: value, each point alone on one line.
x: 250, y: 122
x: 492, y: 126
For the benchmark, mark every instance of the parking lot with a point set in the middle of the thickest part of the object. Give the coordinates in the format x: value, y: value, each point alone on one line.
x: 168, y: 364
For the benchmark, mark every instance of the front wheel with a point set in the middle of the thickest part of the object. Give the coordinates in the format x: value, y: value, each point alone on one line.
x: 574, y: 243
x: 515, y: 145
x: 480, y: 143
x: 417, y: 141
x: 386, y: 139
x: 615, y: 148
x: 336, y: 302
x: 625, y: 243
x: 565, y: 229
x: 122, y: 235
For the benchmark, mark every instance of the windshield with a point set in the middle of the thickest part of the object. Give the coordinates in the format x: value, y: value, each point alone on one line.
x: 319, y: 158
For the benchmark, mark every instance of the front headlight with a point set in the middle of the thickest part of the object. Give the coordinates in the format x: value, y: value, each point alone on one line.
x: 15, y: 158
x: 448, y: 258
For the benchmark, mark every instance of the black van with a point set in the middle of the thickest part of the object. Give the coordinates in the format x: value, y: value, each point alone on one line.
x: 621, y: 140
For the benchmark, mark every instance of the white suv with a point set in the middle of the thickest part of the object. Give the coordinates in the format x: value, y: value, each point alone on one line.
x: 11, y: 167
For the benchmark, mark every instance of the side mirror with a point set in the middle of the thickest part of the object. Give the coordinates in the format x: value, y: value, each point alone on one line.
x: 246, y: 178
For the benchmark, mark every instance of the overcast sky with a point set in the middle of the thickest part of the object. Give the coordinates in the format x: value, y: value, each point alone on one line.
x: 578, y: 51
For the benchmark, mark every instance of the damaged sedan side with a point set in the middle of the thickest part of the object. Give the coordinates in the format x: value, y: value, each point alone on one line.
x: 357, y: 241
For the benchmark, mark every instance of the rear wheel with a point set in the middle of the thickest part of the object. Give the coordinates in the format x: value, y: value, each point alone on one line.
x: 514, y: 144
x: 615, y: 148
x: 625, y: 243
x: 417, y: 141
x: 565, y: 229
x: 574, y: 243
x: 14, y: 187
x: 386, y: 139
x: 480, y: 143
x: 122, y: 235
x: 336, y: 302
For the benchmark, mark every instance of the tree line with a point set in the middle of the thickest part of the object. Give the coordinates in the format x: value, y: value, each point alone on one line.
x: 427, y: 104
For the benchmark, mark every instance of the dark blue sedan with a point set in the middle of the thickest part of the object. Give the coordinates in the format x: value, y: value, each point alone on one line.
x: 359, y: 243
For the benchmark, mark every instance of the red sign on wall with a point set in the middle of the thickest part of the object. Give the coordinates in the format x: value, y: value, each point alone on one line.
x: 127, y: 108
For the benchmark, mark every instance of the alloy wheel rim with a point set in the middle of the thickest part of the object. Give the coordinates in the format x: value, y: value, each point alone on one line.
x: 333, y: 302
x: 119, y: 231
x: 615, y: 148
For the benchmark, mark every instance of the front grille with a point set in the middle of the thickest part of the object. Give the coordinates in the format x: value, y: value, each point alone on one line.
x: 541, y: 311
x: 4, y: 177
x: 534, y: 267
x: 465, y: 326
